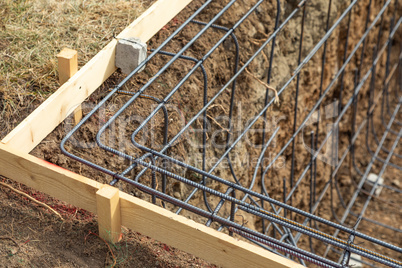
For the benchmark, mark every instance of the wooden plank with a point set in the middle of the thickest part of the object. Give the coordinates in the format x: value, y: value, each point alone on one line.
x: 48, y: 178
x: 58, y: 106
x: 137, y: 214
x: 195, y: 238
x: 109, y: 219
x: 68, y: 66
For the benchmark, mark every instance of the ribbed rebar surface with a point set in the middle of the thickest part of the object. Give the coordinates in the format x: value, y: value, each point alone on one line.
x: 315, y: 182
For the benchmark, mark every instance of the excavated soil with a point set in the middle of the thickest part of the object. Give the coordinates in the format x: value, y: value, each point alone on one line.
x: 249, y: 98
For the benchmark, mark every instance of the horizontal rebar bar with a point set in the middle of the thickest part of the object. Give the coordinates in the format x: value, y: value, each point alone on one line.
x: 283, y: 223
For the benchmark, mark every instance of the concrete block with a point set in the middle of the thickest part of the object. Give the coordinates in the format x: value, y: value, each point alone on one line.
x: 369, y: 183
x: 130, y: 52
x: 355, y: 261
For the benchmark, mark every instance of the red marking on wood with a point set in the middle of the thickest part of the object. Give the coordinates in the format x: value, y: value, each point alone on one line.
x: 166, y: 247
x: 56, y: 166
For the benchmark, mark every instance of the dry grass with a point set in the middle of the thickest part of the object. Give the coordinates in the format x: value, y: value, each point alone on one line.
x: 32, y: 32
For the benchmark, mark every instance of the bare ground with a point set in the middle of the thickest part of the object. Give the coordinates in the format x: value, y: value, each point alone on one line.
x: 78, y: 225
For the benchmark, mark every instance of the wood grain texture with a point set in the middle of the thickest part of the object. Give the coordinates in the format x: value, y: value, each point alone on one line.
x: 109, y: 219
x: 136, y: 214
x: 68, y: 66
x: 67, y: 61
x: 195, y: 238
x: 48, y: 178
x: 33, y: 129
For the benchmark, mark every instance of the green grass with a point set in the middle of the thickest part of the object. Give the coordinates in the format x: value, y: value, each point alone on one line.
x: 32, y: 32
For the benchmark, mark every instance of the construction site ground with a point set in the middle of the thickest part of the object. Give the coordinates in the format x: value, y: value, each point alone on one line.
x: 32, y: 236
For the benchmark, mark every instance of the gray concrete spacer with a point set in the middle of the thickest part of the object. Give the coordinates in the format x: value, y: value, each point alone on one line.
x: 355, y: 261
x: 130, y: 52
x: 369, y: 183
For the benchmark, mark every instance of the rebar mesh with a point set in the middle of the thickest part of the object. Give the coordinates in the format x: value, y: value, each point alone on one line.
x: 305, y: 189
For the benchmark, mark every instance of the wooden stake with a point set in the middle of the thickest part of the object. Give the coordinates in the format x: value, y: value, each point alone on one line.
x: 108, y: 210
x: 68, y: 66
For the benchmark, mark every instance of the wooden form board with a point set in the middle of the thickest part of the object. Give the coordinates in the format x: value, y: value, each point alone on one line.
x: 195, y: 238
x: 48, y: 178
x: 136, y: 214
x: 71, y: 94
x: 139, y: 215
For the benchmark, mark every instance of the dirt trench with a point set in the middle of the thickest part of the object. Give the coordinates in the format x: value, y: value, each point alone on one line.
x: 249, y: 98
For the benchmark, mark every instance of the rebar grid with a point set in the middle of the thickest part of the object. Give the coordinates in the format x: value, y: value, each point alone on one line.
x: 303, y: 233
